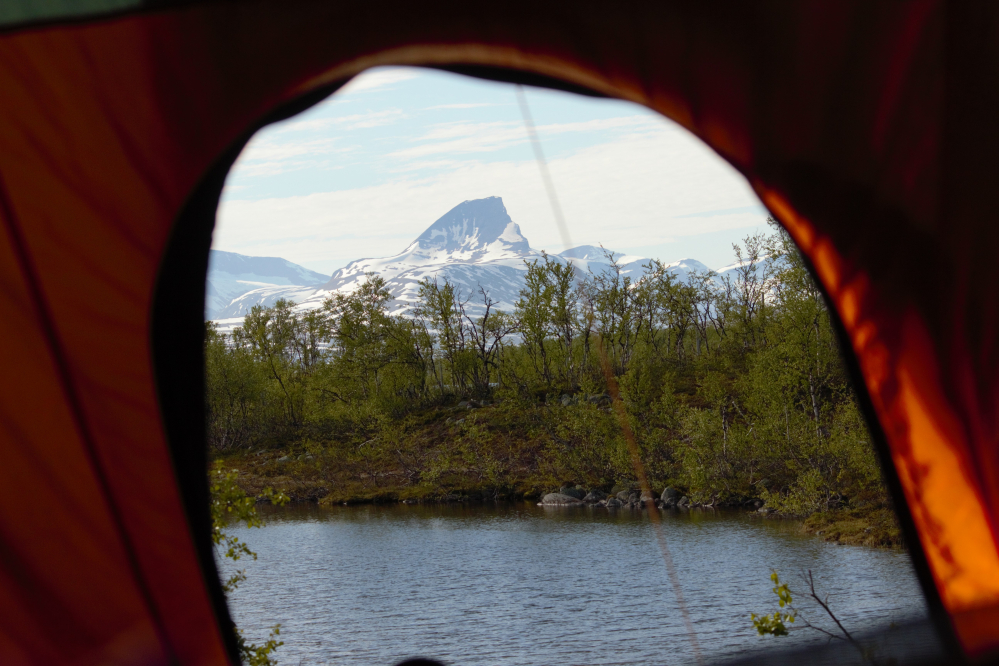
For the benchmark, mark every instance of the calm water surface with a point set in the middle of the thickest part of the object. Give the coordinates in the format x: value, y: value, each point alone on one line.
x: 522, y: 584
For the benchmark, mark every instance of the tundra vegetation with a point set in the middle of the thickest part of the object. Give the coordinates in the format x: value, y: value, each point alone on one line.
x: 734, y: 390
x: 230, y: 504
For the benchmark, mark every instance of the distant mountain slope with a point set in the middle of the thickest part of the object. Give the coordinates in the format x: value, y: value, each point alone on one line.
x: 733, y: 271
x: 265, y: 296
x: 589, y: 258
x: 232, y: 275
x: 474, y: 244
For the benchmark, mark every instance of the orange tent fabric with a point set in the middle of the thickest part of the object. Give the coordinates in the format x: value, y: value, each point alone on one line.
x: 869, y: 129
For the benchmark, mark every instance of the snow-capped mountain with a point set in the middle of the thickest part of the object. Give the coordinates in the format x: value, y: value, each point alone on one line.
x: 592, y: 258
x: 475, y: 244
x: 231, y: 275
x: 763, y: 266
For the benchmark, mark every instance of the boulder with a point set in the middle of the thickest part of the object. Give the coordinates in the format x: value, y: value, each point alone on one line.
x: 683, y: 502
x: 624, y: 485
x: 623, y: 495
x: 578, y: 493
x: 594, y: 496
x: 284, y: 459
x: 647, y: 496
x: 670, y: 494
x: 558, y: 499
x: 614, y: 502
x: 670, y: 498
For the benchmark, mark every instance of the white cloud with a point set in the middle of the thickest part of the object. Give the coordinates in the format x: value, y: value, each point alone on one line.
x: 268, y: 156
x: 471, y: 105
x: 270, y: 150
x: 634, y: 123
x: 428, y: 165
x: 353, y: 121
x: 301, y: 144
x: 377, y: 79
x: 624, y: 193
x: 453, y: 138
x: 641, y: 181
x: 456, y: 138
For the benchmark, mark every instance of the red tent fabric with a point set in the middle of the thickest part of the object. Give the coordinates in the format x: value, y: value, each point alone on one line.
x: 868, y: 129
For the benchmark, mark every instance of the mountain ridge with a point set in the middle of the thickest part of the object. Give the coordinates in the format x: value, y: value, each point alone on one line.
x: 475, y: 244
x: 230, y: 275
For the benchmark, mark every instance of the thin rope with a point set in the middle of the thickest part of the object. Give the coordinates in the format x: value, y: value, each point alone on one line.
x: 650, y: 504
x: 615, y: 393
x: 539, y: 157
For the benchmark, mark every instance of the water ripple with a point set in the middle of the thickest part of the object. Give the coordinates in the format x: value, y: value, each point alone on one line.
x: 529, y: 585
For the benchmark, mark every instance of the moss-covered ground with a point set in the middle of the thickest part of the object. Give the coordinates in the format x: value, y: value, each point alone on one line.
x: 502, y: 458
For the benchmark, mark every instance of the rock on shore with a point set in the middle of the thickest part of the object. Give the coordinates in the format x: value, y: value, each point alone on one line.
x: 671, y: 498
x: 559, y: 499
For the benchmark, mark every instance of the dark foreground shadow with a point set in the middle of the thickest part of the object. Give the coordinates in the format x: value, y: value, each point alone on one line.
x: 911, y: 644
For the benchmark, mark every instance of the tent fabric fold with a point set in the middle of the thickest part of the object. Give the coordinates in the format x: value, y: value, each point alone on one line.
x: 869, y: 130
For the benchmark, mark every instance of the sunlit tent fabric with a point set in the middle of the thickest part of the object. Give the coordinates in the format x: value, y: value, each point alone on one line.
x: 869, y: 129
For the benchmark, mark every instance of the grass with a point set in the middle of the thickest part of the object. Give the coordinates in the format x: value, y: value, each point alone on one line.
x: 875, y: 527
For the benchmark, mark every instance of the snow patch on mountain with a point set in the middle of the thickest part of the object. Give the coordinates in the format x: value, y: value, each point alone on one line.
x: 475, y: 246
x: 231, y: 276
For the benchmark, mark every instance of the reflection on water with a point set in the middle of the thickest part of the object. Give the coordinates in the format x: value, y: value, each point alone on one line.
x: 521, y: 584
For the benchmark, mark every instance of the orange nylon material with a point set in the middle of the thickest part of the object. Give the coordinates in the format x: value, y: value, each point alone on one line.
x: 850, y: 119
x: 927, y: 444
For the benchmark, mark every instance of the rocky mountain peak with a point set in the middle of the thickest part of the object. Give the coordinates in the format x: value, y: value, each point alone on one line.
x: 474, y: 228
x: 474, y: 245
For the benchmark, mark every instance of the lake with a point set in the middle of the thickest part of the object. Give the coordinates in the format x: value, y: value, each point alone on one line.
x: 513, y: 584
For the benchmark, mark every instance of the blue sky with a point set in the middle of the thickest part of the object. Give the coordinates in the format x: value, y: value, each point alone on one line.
x: 367, y: 170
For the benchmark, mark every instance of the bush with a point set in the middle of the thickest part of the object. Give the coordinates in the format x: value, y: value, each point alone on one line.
x: 733, y: 388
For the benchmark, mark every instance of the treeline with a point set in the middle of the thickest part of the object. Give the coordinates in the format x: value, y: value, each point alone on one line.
x: 733, y: 387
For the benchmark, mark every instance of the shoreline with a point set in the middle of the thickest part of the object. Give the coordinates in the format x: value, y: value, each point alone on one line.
x: 871, y: 526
